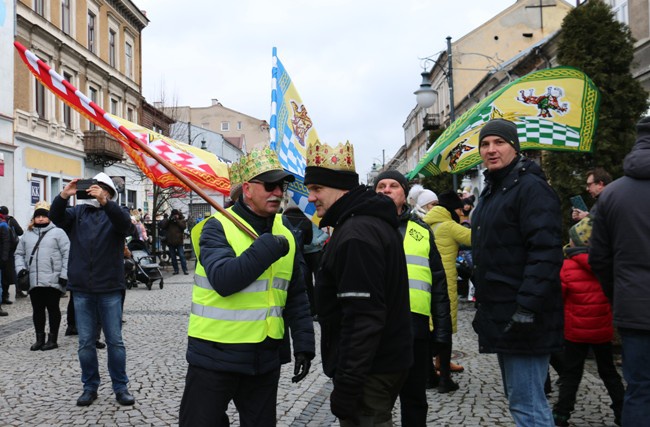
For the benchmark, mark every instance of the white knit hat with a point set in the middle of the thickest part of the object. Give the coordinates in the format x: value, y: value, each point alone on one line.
x: 425, y: 197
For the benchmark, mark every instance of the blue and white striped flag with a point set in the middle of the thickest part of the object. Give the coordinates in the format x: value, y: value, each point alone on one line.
x: 291, y: 132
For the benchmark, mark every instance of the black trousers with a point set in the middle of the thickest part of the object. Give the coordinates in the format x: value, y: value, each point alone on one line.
x: 413, y: 395
x: 208, y: 393
x: 8, y: 275
x: 45, y: 299
x: 574, y: 362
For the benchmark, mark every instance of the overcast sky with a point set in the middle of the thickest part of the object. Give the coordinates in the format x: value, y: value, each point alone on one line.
x: 354, y: 62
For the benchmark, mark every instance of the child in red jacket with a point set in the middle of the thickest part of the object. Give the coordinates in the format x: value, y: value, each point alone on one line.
x: 587, y: 324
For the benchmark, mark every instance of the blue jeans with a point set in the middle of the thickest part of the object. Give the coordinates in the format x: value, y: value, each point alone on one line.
x: 105, y: 308
x: 180, y: 250
x: 523, y: 381
x: 636, y: 359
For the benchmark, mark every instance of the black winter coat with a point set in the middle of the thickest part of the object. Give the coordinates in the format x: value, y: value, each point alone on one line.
x: 96, y: 262
x: 361, y: 291
x: 620, y: 241
x: 440, y: 309
x: 228, y: 274
x: 517, y: 250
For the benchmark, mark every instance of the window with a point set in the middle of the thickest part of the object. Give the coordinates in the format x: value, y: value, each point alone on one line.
x: 91, y: 31
x: 239, y: 126
x: 225, y: 126
x: 619, y: 7
x: 65, y: 16
x: 128, y: 66
x: 93, y: 97
x: 114, y: 105
x: 111, y: 48
x: 40, y: 100
x: 131, y: 199
x: 129, y: 114
x: 39, y: 7
x: 67, y: 112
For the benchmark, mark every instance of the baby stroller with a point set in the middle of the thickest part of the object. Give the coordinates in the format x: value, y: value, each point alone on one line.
x: 146, y: 268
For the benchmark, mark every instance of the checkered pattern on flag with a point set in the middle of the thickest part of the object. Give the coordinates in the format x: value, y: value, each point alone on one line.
x: 554, y: 109
x: 547, y: 132
x: 291, y: 131
x: 200, y: 166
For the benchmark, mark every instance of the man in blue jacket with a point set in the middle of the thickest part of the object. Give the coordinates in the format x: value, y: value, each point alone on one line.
x: 97, y: 227
x: 244, y: 291
x: 517, y: 250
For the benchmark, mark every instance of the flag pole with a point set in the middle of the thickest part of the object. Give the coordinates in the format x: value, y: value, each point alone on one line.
x: 119, y: 131
x: 185, y: 180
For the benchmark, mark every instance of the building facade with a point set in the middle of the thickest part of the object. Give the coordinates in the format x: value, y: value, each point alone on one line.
x: 241, y: 130
x: 636, y: 14
x: 96, y: 46
x: 7, y: 147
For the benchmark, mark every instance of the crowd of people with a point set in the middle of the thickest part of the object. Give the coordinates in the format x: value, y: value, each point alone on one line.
x: 377, y: 268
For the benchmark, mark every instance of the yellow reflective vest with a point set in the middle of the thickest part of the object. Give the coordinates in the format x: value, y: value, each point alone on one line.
x: 416, y: 248
x: 252, y: 314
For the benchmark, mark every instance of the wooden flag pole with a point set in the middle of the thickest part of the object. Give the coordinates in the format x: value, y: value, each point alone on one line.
x: 113, y: 128
x: 185, y: 180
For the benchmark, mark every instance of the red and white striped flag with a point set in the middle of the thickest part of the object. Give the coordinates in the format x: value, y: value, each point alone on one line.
x: 202, y: 167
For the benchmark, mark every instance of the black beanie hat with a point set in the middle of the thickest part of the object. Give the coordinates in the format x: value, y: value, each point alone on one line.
x: 397, y: 176
x: 503, y: 128
x: 342, y: 180
x: 450, y: 200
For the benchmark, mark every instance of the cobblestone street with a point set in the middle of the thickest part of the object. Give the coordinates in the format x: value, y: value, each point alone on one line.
x: 40, y: 388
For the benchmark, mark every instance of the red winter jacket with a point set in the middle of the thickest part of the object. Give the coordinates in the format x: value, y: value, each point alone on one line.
x: 587, y: 312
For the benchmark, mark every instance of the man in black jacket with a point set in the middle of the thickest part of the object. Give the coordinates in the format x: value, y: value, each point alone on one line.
x: 620, y: 245
x: 362, y: 298
x: 428, y: 298
x: 517, y: 250
x: 244, y: 291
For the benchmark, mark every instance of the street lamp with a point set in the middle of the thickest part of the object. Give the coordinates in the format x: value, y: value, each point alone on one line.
x: 426, y: 96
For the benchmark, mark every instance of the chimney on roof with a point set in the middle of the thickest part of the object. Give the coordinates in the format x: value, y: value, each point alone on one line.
x: 215, y: 101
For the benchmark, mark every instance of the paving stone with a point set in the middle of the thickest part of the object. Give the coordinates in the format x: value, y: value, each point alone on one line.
x: 40, y: 388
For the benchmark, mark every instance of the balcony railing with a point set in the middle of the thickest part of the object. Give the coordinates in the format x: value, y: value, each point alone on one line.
x: 431, y: 122
x: 102, y: 148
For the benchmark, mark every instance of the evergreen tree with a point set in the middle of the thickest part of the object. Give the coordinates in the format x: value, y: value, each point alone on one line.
x: 593, y: 41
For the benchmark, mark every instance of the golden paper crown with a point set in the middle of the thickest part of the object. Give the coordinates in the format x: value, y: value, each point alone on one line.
x: 256, y: 162
x: 339, y: 158
x: 233, y: 173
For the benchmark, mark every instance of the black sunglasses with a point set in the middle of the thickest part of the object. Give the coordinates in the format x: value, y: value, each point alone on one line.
x: 270, y: 186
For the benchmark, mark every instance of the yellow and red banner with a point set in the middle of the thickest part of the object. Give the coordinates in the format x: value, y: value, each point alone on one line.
x: 201, y: 167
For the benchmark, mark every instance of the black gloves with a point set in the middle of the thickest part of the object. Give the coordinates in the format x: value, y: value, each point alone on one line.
x: 344, y: 405
x: 522, y: 322
x: 301, y: 366
x: 22, y: 273
x: 63, y: 282
x: 283, y: 243
x: 277, y: 243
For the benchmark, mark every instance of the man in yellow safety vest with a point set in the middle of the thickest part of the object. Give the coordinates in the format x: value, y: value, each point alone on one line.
x: 244, y: 291
x: 428, y: 299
